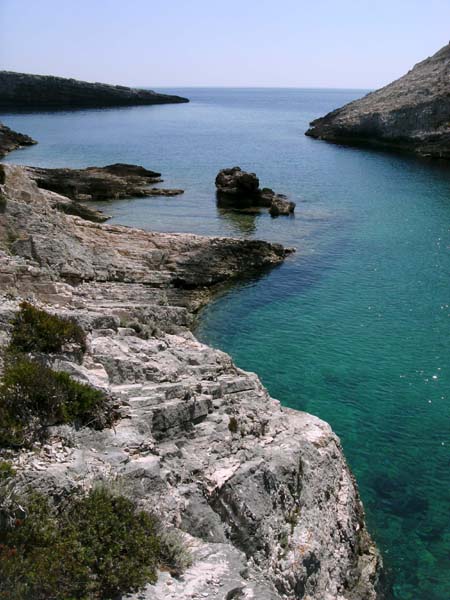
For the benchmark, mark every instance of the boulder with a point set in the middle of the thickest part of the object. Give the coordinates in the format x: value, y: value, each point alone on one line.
x: 237, y: 183
x: 238, y: 189
x: 281, y: 206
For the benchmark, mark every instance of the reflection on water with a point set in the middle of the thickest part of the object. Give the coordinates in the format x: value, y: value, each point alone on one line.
x: 241, y: 221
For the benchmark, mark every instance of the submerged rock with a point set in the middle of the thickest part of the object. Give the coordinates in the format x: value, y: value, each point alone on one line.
x: 412, y: 113
x: 239, y: 189
x: 101, y: 183
x: 11, y: 140
x: 24, y: 90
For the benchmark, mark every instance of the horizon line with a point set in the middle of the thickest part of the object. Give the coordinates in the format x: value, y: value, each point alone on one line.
x: 254, y: 87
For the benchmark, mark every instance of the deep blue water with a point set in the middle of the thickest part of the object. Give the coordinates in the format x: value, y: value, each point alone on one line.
x: 354, y: 327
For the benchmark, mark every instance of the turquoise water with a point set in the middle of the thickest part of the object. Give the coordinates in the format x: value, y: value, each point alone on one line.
x: 355, y: 326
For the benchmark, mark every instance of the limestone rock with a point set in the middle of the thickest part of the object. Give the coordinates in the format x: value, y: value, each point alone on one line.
x: 23, y: 90
x: 412, y: 113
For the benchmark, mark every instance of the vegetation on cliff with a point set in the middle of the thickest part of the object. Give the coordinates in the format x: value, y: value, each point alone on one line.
x: 35, y: 330
x: 90, y: 546
x: 93, y: 546
x: 33, y: 396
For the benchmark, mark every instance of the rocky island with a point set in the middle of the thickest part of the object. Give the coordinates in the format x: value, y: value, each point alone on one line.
x: 260, y: 494
x: 411, y: 114
x: 35, y: 92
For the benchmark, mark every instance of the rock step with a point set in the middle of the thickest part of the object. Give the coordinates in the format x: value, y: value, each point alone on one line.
x: 135, y: 391
x: 171, y: 416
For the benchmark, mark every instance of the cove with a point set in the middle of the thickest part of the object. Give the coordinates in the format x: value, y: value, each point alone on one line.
x: 355, y: 326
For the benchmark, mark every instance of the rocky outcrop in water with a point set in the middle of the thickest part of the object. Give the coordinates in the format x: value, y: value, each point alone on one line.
x: 23, y: 90
x: 11, y: 140
x: 101, y: 183
x: 262, y: 493
x: 239, y: 189
x: 412, y: 113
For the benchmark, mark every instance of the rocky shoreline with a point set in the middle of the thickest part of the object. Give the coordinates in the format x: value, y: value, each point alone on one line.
x: 262, y: 493
x: 27, y: 91
x: 411, y: 114
x: 11, y: 140
x: 101, y: 183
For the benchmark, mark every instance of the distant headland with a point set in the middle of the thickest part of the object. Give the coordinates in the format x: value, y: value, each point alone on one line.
x: 26, y: 91
x: 412, y: 113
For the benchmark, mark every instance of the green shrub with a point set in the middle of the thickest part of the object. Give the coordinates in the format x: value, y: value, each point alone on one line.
x: 174, y: 555
x: 33, y: 397
x: 6, y: 470
x: 233, y: 425
x: 35, y: 330
x: 96, y: 547
x: 2, y: 203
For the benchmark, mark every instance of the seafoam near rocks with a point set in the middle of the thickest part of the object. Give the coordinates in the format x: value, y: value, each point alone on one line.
x: 262, y: 493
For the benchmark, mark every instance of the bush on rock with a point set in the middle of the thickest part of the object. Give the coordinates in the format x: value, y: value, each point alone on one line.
x: 34, y: 397
x: 99, y: 546
x: 36, y: 330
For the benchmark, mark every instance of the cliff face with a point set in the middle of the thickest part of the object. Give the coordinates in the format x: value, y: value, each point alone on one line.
x: 22, y: 90
x: 11, y: 140
x: 263, y: 494
x: 412, y: 113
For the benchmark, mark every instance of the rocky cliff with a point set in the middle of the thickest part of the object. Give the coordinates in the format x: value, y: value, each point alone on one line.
x: 26, y: 91
x: 412, y: 113
x: 263, y: 493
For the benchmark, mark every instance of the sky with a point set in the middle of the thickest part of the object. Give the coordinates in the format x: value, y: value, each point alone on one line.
x: 359, y: 44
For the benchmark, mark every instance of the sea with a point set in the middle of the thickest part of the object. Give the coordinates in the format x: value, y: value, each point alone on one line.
x: 354, y: 327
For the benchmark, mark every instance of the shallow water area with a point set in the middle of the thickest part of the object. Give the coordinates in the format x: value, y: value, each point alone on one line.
x: 355, y: 326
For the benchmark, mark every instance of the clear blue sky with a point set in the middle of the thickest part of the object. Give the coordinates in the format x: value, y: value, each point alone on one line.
x: 299, y: 43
